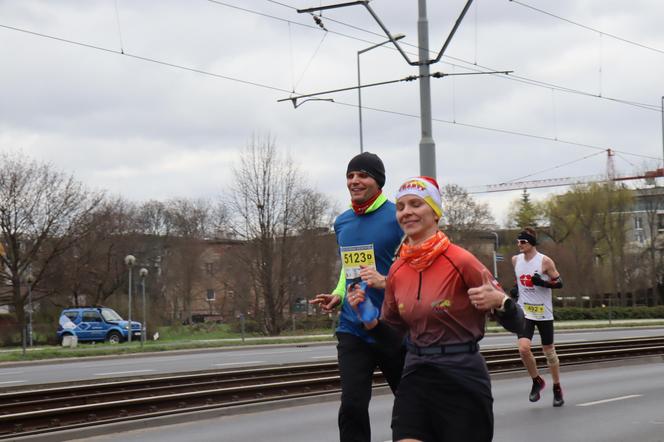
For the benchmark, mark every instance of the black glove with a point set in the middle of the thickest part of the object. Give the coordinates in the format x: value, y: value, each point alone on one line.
x: 514, y: 292
x: 537, y: 280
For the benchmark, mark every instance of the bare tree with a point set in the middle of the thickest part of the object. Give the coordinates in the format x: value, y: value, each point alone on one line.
x: 43, y: 213
x: 465, y: 220
x: 264, y: 200
x: 93, y: 269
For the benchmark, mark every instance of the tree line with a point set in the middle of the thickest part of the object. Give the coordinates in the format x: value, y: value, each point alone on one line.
x: 591, y: 233
x: 67, y: 242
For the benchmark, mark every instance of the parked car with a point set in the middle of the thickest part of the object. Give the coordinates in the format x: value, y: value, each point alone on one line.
x: 96, y: 324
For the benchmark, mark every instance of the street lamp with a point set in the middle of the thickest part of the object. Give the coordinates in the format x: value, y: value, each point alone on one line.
x: 143, y: 273
x: 30, y: 279
x: 495, y: 255
x: 359, y: 86
x: 130, y: 260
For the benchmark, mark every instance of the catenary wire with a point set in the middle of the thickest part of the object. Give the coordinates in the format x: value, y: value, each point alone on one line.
x: 140, y: 57
x: 274, y: 88
x: 552, y: 168
x: 472, y: 66
x: 581, y: 25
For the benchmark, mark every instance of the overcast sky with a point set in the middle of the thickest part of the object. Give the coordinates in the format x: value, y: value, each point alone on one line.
x: 198, y: 78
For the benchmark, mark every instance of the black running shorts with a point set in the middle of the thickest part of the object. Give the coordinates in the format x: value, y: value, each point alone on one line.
x: 545, y: 329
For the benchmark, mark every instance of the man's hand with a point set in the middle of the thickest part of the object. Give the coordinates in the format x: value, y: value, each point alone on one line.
x: 514, y: 292
x: 536, y: 279
x: 371, y: 276
x: 326, y: 302
x: 357, y: 296
x: 488, y: 295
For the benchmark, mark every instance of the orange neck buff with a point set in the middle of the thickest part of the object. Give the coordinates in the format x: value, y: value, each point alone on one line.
x: 421, y: 256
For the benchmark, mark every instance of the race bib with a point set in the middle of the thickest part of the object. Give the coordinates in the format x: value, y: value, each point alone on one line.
x: 534, y: 309
x: 352, y: 257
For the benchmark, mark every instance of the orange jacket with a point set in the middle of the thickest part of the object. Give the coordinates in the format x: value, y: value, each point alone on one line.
x: 433, y: 305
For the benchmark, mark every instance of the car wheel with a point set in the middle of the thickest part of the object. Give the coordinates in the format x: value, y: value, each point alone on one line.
x: 113, y: 337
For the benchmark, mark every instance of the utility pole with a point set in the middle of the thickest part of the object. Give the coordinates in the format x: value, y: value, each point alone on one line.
x: 427, y: 144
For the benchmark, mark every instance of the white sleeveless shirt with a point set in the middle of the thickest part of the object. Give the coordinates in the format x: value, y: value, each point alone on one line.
x: 535, y: 301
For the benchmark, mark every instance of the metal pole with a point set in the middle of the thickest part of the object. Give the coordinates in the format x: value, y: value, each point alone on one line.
x: 29, y: 314
x: 145, y: 327
x: 129, y: 327
x: 359, y: 100
x: 242, y: 326
x: 427, y: 145
x: 495, y: 264
x: 23, y: 333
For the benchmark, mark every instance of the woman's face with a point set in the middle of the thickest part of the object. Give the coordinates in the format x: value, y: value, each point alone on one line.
x: 416, y: 218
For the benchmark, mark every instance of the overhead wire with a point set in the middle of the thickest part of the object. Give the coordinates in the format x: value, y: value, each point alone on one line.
x: 117, y: 18
x: 473, y: 66
x: 306, y: 68
x: 551, y: 168
x: 502, y: 131
x: 581, y: 25
x: 143, y: 58
x: 278, y: 89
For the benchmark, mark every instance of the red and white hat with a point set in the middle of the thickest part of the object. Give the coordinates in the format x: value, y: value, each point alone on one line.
x: 426, y: 188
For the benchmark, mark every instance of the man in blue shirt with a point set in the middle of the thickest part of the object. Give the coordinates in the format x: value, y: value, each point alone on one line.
x: 368, y: 236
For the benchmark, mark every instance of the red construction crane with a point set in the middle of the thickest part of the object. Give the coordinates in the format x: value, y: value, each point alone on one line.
x: 610, y: 175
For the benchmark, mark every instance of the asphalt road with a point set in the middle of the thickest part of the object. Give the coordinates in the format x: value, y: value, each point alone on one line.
x: 607, y: 404
x: 173, y: 362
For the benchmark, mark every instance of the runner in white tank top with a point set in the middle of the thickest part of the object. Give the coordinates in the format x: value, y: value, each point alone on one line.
x: 536, y: 275
x: 534, y: 300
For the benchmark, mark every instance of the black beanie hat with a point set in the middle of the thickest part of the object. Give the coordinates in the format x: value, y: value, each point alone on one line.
x: 370, y: 164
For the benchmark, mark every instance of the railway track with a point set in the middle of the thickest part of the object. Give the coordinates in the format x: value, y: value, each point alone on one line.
x: 54, y: 408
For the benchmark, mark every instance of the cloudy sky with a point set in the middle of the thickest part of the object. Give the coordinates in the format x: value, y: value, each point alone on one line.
x: 156, y: 99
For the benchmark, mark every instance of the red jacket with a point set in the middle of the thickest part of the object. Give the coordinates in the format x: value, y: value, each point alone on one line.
x: 433, y: 305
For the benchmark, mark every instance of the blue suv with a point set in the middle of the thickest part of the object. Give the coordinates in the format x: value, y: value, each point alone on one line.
x: 96, y: 324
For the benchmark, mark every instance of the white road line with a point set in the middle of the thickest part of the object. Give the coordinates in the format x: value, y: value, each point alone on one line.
x: 587, y: 404
x: 121, y: 372
x: 261, y: 353
x: 12, y: 382
x: 8, y: 373
x: 239, y: 363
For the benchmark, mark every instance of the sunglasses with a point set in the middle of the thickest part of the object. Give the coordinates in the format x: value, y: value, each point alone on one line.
x: 521, y: 241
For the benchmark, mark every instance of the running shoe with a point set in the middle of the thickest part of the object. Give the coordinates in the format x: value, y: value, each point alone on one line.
x: 538, y: 386
x: 558, y: 400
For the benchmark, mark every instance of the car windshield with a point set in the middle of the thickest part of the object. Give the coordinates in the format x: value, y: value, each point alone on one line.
x: 110, y: 315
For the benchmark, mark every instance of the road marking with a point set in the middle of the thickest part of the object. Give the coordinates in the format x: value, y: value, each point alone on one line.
x: 12, y: 382
x: 587, y: 404
x: 240, y: 363
x: 121, y: 372
x: 273, y: 352
x: 10, y: 373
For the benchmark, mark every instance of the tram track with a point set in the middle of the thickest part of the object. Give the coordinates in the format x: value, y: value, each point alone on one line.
x: 50, y: 408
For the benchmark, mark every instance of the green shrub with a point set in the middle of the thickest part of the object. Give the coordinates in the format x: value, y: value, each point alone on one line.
x: 602, y: 313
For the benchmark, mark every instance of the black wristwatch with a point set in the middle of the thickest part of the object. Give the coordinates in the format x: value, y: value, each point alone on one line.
x: 507, y: 305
